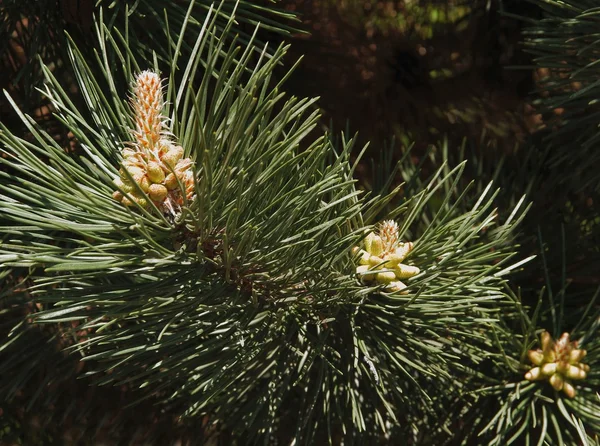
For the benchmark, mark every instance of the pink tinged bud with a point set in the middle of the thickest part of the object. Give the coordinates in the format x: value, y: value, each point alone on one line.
x: 536, y: 356
x: 549, y: 369
x: 557, y: 381
x: 569, y: 389
x: 576, y: 355
x: 183, y: 167
x: 386, y: 277
x: 117, y: 195
x: 157, y: 192
x: 170, y: 160
x: 574, y: 372
x: 171, y: 182
x: 534, y: 374
x: 405, y: 271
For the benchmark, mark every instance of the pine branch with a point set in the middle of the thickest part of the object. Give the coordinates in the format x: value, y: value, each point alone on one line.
x: 242, y: 304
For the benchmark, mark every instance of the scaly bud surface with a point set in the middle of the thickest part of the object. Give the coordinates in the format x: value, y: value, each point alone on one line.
x: 154, y: 167
x: 557, y: 362
x: 382, y: 255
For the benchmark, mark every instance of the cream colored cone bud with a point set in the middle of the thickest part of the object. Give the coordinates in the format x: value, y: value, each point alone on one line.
x: 576, y: 355
x: 534, y: 374
x: 117, y: 195
x: 374, y: 244
x: 386, y: 277
x: 406, y: 271
x: 397, y: 286
x: 549, y: 369
x: 363, y: 273
x: 535, y: 356
x: 375, y: 261
x: 142, y: 202
x: 548, y: 347
x: 364, y: 257
x: 557, y: 381
x: 401, y: 252
x: 569, y: 389
x: 574, y: 372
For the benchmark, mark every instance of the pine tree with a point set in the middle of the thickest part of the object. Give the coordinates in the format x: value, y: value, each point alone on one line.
x: 206, y: 257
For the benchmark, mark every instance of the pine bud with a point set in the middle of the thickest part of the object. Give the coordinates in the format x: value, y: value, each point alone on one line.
x: 364, y: 257
x: 157, y: 192
x: 558, y: 362
x: 363, y: 272
x: 386, y: 277
x: 534, y: 374
x: 155, y: 172
x: 171, y: 182
x: 143, y: 182
x: 375, y: 261
x: 173, y: 156
x: 568, y: 389
x: 401, y: 252
x: 557, y: 381
x: 576, y: 355
x: 574, y: 372
x: 535, y: 356
x: 374, y: 244
x: 549, y: 369
x: 397, y: 286
x: 406, y: 271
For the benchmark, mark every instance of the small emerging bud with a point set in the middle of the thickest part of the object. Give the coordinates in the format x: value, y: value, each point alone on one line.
x: 383, y: 253
x: 157, y: 192
x: 535, y: 356
x: 557, y: 381
x: 534, y: 374
x: 558, y: 362
x: 406, y: 271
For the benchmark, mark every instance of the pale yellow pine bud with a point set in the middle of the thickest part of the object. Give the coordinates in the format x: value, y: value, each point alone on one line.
x: 536, y: 356
x: 557, y: 381
x: 406, y: 271
x: 569, y: 389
